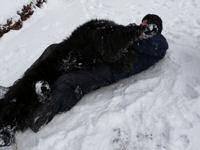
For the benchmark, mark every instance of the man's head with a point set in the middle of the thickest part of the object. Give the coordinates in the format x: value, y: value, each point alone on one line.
x: 153, y: 19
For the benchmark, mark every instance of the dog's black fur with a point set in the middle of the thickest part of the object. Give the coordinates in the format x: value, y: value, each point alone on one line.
x: 93, y: 43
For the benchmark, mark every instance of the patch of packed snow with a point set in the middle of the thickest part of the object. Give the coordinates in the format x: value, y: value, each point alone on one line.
x: 157, y: 109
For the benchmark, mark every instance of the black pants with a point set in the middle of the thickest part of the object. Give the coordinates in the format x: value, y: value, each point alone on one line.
x: 68, y: 90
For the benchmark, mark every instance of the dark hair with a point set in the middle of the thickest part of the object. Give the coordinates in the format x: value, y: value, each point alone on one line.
x: 154, y: 19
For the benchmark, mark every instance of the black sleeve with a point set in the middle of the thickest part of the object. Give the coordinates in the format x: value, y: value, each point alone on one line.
x: 154, y: 46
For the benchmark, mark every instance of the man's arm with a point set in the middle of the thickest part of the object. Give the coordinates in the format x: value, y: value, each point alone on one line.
x: 154, y: 46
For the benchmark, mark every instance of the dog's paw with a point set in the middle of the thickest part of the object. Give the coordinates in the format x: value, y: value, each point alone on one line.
x: 42, y: 89
x: 6, y: 136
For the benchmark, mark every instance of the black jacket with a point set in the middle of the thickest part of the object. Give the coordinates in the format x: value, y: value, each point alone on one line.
x: 148, y: 51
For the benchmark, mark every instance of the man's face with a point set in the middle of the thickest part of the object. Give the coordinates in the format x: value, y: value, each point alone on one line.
x: 144, y: 22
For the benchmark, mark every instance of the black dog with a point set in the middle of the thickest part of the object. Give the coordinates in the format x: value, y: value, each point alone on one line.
x: 94, y: 43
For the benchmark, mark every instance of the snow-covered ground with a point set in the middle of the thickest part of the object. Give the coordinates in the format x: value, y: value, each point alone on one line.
x: 9, y: 8
x: 158, y: 109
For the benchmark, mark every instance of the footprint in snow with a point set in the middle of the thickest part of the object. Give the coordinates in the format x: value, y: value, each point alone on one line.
x: 120, y: 140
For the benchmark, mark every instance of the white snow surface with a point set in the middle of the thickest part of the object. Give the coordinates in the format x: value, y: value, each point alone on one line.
x: 158, y: 109
x: 9, y: 8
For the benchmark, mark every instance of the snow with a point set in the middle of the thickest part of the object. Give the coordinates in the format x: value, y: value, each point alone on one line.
x: 157, y: 109
x: 9, y: 8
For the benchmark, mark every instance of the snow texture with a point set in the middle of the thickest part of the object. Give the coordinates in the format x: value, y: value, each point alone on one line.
x: 9, y: 8
x: 157, y: 109
x: 3, y: 90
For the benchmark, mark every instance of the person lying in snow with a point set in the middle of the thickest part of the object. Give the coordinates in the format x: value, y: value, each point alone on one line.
x: 98, y: 53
